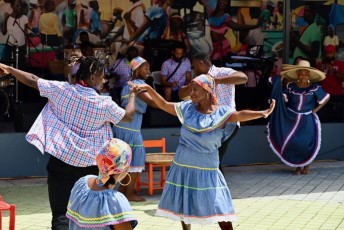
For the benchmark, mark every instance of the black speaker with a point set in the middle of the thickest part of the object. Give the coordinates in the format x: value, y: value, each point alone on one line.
x: 157, y: 118
x: 25, y: 115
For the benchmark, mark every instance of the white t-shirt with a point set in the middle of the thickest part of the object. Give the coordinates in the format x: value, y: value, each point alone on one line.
x: 15, y: 30
x: 331, y: 41
x: 4, y: 8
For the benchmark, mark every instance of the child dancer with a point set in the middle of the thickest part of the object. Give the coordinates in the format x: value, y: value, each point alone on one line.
x: 93, y: 202
x: 130, y: 132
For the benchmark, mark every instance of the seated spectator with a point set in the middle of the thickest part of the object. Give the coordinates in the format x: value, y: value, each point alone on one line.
x: 175, y: 72
x: 120, y: 73
x: 333, y: 111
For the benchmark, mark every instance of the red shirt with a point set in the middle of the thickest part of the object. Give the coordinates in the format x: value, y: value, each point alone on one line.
x: 332, y: 84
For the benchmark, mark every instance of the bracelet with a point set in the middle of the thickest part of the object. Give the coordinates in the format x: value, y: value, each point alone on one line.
x: 132, y: 95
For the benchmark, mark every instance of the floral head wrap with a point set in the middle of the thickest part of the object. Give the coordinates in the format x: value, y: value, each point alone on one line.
x: 113, y: 158
x: 137, y: 62
x: 207, y: 83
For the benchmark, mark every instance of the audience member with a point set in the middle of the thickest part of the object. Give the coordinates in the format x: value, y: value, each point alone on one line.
x: 49, y: 25
x: 6, y: 11
x: 95, y: 18
x: 308, y: 45
x: 120, y: 73
x: 34, y: 16
x: 278, y: 18
x: 333, y: 111
x: 15, y: 28
x: 331, y: 38
x: 175, y: 72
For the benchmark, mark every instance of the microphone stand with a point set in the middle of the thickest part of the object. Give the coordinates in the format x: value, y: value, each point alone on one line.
x: 17, y: 59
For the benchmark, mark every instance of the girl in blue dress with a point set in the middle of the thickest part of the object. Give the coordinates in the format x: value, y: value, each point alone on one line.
x: 294, y: 128
x: 131, y: 132
x: 93, y: 203
x: 196, y: 191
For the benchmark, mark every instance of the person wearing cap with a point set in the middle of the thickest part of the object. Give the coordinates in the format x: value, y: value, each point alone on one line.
x: 331, y: 38
x: 334, y: 70
x: 72, y: 128
x: 294, y: 131
x: 196, y: 191
x: 131, y: 132
x: 94, y: 203
x: 120, y: 73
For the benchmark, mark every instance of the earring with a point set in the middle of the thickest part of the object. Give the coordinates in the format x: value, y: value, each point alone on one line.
x: 308, y: 81
x: 127, y: 174
x: 207, y: 95
x: 298, y: 80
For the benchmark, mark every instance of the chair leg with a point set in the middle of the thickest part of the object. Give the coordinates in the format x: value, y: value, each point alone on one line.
x: 138, y: 183
x: 12, y: 216
x: 150, y: 179
x: 163, y: 176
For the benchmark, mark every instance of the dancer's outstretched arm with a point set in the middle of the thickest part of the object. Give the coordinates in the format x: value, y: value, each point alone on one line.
x: 26, y: 78
x: 247, y: 115
x: 160, y: 102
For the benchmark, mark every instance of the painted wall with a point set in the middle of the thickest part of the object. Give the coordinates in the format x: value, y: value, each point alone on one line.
x: 20, y: 159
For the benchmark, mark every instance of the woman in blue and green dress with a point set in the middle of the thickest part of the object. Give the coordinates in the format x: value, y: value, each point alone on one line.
x: 196, y: 191
x: 131, y: 132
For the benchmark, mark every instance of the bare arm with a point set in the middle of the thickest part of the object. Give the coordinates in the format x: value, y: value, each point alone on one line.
x: 26, y: 78
x: 247, y: 115
x: 316, y: 109
x: 147, y: 98
x: 236, y: 78
x: 238, y: 27
x: 130, y: 108
x: 160, y: 102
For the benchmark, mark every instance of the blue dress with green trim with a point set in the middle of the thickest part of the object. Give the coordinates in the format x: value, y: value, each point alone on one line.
x: 131, y: 132
x: 196, y: 191
x: 98, y: 210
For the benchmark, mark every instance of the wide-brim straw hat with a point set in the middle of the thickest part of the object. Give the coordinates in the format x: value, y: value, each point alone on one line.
x: 290, y: 71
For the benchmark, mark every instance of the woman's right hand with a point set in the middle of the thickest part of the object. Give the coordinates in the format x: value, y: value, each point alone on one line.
x: 267, y: 112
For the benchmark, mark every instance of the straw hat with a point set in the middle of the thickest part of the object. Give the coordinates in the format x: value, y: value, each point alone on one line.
x: 290, y: 71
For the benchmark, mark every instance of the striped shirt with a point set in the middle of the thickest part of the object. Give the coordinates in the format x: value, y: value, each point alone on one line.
x: 74, y: 124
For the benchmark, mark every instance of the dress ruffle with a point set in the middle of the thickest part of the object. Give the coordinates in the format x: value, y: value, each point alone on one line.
x: 195, y: 121
x: 97, y: 209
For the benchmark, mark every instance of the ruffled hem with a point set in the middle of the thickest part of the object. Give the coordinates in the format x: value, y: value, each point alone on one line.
x: 315, y: 152
x: 136, y: 169
x: 195, y: 219
x: 197, y: 122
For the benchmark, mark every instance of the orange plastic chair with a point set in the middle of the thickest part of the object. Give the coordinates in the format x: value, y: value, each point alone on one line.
x: 10, y: 207
x: 161, y: 143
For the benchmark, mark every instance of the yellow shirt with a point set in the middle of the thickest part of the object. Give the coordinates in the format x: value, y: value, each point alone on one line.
x: 49, y: 24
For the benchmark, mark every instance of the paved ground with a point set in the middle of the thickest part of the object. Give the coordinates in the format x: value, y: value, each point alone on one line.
x: 265, y: 197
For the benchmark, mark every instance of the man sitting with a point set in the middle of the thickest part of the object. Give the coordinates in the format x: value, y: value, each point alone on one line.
x: 175, y: 72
